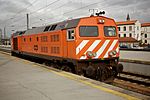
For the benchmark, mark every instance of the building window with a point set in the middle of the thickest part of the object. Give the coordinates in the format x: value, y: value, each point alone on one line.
x: 124, y: 35
x: 124, y: 28
x: 119, y: 35
x: 145, y: 29
x: 30, y: 39
x: 130, y: 35
x: 145, y: 41
x: 130, y: 28
x: 137, y: 28
x: 118, y: 28
x: 137, y: 36
x: 145, y: 35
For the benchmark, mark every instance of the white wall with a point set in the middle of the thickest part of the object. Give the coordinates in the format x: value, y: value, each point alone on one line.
x: 136, y: 30
x: 146, y: 30
x: 127, y: 32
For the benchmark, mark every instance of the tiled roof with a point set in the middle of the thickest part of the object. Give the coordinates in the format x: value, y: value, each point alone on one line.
x: 145, y: 24
x: 127, y: 39
x: 126, y: 22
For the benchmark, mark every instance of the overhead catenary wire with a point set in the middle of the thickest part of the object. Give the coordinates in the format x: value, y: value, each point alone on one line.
x: 37, y: 10
x: 33, y: 12
x: 20, y: 11
x: 74, y: 10
x: 41, y: 9
x: 71, y: 11
x: 52, y: 10
x: 44, y: 7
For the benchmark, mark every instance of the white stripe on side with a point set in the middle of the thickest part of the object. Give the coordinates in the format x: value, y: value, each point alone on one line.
x: 110, y: 48
x: 91, y: 48
x: 81, y: 46
x: 100, y: 51
x: 117, y: 49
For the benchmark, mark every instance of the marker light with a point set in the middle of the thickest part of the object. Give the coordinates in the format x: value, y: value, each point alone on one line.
x: 101, y: 21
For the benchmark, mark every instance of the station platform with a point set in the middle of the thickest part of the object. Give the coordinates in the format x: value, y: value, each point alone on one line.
x: 24, y: 80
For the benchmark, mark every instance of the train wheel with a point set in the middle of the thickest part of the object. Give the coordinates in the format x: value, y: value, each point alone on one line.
x: 103, y: 73
x: 90, y: 72
x: 66, y: 68
x: 55, y: 66
x: 47, y: 63
x: 13, y: 54
x: 119, y: 68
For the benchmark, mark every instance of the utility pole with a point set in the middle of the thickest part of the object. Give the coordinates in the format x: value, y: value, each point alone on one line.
x: 0, y: 36
x: 27, y: 21
x: 4, y: 32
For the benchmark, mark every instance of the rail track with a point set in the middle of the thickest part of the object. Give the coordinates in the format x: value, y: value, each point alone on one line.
x: 135, y: 78
x: 134, y: 82
x: 131, y: 81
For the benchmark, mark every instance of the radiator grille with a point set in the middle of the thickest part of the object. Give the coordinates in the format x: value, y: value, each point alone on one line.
x: 44, y: 49
x: 55, y: 50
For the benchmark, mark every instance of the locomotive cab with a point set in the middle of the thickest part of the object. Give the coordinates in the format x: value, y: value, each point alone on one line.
x: 97, y: 47
x: 98, y: 37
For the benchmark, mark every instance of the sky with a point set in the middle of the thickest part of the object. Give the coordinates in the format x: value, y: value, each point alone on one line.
x: 44, y: 12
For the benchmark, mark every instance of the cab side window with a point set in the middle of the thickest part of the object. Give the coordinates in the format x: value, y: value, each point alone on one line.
x: 70, y: 34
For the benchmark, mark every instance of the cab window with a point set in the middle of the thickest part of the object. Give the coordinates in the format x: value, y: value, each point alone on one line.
x: 70, y: 34
x: 109, y: 31
x: 88, y: 31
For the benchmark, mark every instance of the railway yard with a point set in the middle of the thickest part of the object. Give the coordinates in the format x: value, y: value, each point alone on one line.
x: 74, y: 50
x: 25, y: 79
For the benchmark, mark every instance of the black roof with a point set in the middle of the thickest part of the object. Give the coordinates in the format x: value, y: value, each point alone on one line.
x: 57, y: 26
x: 18, y: 33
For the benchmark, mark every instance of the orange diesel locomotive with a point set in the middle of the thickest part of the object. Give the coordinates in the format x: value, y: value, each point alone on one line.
x: 86, y: 46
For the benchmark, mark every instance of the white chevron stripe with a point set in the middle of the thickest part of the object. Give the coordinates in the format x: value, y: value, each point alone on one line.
x: 100, y: 51
x: 110, y: 48
x: 117, y: 49
x: 91, y: 48
x: 81, y: 45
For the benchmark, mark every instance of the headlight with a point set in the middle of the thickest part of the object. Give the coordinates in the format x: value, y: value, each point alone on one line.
x: 94, y: 54
x: 90, y: 54
x: 112, y: 53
